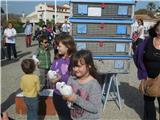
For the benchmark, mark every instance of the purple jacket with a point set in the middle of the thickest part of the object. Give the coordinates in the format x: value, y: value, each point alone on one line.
x: 138, y: 59
x: 61, y: 67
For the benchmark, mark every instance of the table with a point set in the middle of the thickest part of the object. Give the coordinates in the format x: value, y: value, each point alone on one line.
x: 46, y: 106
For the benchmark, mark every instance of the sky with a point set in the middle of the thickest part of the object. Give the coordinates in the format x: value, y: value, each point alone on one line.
x: 27, y: 6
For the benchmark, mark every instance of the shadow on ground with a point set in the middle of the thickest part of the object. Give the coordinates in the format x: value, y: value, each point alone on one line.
x: 9, y: 101
x: 132, y: 98
x: 20, y: 55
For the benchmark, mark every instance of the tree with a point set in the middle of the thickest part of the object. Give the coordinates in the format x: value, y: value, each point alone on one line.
x: 151, y: 6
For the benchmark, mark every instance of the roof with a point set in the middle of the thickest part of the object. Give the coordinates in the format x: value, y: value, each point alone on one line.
x: 63, y: 7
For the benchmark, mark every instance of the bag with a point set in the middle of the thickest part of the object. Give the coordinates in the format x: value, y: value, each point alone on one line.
x: 135, y: 36
x: 150, y: 87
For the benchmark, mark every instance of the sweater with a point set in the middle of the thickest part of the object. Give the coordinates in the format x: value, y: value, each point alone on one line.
x: 30, y: 85
x: 44, y: 57
x: 88, y: 104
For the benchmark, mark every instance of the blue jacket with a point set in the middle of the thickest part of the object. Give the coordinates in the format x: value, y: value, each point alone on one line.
x: 138, y: 59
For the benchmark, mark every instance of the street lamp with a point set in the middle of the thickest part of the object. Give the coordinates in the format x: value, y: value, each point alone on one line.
x: 55, y: 11
x: 23, y: 14
x: 6, y: 10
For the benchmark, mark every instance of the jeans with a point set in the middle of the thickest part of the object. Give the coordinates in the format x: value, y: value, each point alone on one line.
x: 61, y: 107
x: 43, y: 77
x: 32, y: 108
x: 13, y: 47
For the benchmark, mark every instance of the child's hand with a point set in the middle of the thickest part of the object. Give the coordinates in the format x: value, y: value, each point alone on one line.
x: 57, y: 79
x: 71, y: 98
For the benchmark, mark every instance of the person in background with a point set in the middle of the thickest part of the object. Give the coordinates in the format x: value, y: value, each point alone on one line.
x: 3, y: 54
x: 139, y: 34
x: 147, y: 60
x: 30, y: 86
x: 66, y: 28
x: 48, y: 34
x: 56, y: 30
x: 44, y: 57
x: 28, y: 32
x: 86, y: 97
x: 66, y: 47
x: 10, y: 40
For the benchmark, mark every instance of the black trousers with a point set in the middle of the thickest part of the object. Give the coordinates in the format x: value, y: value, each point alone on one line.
x: 12, y: 47
x: 61, y: 107
x: 149, y: 108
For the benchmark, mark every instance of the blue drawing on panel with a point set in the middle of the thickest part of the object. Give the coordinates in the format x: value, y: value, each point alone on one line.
x: 122, y: 10
x: 81, y: 28
x: 82, y: 9
x: 119, y: 64
x: 121, y: 29
x: 120, y: 47
x: 81, y: 46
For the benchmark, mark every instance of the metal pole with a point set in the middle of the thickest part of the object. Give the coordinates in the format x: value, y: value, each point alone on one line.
x: 55, y: 11
x: 45, y: 20
x: 6, y: 10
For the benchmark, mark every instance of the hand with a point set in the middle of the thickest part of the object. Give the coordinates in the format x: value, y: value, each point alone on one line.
x: 57, y: 79
x: 141, y: 87
x: 71, y: 98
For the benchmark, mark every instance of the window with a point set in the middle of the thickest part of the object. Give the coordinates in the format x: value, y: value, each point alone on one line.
x: 81, y: 28
x: 82, y: 9
x: 121, y: 29
x: 81, y: 46
x: 120, y: 47
x: 119, y: 64
x: 122, y: 10
x: 94, y: 11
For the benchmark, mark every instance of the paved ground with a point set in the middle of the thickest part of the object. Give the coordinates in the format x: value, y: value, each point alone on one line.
x: 132, y: 107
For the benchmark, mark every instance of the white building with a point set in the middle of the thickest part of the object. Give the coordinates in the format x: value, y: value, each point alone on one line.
x: 47, y: 12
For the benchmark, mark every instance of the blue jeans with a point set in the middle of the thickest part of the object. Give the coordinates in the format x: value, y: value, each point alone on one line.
x: 32, y: 108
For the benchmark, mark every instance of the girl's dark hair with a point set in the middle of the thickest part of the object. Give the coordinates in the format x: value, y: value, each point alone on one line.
x: 84, y: 55
x: 66, y: 40
x: 152, y: 30
x: 28, y: 66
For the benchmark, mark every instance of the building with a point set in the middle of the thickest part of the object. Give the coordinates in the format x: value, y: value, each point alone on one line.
x: 47, y: 12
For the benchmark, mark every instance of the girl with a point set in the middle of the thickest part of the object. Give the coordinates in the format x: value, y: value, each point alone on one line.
x: 30, y: 86
x: 86, y: 97
x: 66, y: 47
x: 139, y: 34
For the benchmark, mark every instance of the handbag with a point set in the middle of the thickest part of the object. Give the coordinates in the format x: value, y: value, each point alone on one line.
x: 150, y: 87
x: 135, y: 36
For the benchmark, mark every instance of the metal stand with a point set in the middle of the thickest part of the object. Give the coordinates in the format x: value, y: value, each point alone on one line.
x: 111, y: 94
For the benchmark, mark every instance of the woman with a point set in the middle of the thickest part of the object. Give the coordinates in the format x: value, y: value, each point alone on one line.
x: 148, y: 65
x: 10, y: 37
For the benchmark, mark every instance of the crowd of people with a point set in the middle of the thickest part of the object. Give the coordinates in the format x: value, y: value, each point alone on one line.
x: 77, y: 69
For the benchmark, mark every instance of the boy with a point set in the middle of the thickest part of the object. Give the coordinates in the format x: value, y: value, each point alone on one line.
x: 44, y: 57
x: 30, y: 86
